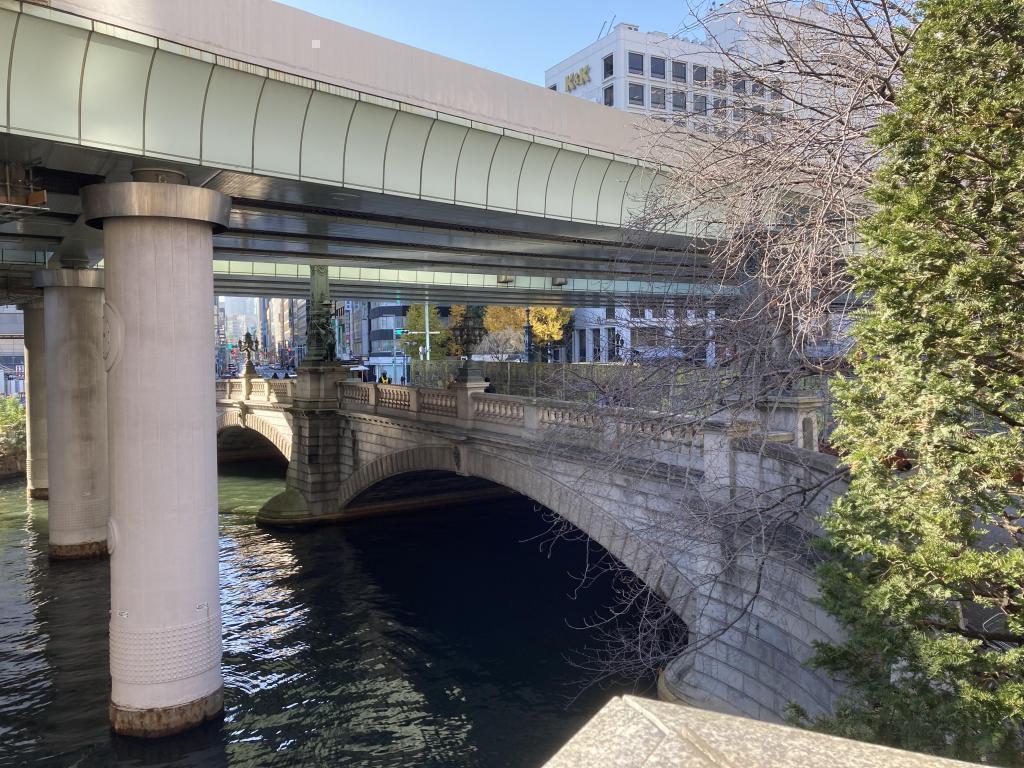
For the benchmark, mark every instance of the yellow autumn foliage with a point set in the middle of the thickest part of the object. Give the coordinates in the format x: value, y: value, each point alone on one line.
x: 547, y: 323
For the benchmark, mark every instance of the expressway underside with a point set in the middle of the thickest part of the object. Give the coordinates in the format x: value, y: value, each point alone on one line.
x: 377, y: 246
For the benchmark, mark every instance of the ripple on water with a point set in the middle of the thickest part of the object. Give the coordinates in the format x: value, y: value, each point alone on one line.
x: 407, y: 641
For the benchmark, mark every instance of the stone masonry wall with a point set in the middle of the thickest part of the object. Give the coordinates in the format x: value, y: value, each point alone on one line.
x: 749, y: 662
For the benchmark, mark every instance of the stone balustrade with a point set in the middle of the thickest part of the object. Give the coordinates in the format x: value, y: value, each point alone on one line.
x: 503, y: 410
x: 395, y: 397
x: 437, y: 402
x: 279, y: 391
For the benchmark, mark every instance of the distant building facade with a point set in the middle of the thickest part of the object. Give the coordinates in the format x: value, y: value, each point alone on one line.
x: 661, y: 75
x: 12, y: 352
x: 636, y: 332
x: 690, y: 83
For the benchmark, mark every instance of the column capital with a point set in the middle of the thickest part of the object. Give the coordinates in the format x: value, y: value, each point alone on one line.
x: 67, y: 278
x: 147, y: 198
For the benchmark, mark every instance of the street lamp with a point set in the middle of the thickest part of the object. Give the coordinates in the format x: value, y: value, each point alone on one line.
x: 394, y: 351
x: 528, y: 332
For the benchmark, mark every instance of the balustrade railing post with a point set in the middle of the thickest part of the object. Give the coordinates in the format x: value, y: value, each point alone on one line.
x: 531, y: 417
x: 794, y: 412
x: 371, y: 397
x: 414, y: 400
x: 469, y: 382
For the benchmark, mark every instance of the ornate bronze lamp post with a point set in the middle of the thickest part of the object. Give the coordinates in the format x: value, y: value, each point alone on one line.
x: 249, y: 347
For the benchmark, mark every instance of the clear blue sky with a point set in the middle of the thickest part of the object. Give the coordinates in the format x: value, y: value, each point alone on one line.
x: 520, y: 38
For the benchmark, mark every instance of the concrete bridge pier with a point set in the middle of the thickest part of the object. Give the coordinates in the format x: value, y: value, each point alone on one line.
x: 76, y: 407
x: 165, y: 621
x: 36, y: 470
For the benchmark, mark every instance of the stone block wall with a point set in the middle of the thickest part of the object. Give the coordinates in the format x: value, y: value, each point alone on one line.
x: 12, y: 466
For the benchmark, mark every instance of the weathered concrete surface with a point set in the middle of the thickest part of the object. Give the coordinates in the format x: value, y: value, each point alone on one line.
x: 630, y: 732
x: 36, y: 467
x: 166, y: 721
x: 76, y: 407
x: 78, y: 551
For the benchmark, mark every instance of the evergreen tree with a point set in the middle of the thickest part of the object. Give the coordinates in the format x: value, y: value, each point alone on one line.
x: 928, y: 544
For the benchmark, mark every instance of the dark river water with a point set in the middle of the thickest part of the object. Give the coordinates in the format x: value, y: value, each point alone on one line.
x: 436, y: 638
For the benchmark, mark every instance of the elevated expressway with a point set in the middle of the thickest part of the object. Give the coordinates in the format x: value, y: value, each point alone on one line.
x: 411, y: 176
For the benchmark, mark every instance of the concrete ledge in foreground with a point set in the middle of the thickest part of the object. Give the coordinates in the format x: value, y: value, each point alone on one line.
x: 633, y: 732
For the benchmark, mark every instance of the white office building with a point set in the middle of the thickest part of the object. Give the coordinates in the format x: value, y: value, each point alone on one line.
x: 686, y: 81
x: 661, y: 75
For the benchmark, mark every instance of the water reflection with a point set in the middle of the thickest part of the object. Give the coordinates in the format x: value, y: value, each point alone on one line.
x: 424, y: 640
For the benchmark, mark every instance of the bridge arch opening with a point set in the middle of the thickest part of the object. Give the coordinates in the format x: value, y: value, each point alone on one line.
x: 279, y: 438
x: 424, y: 490
x: 645, y: 587
x: 569, y: 503
x: 628, y: 632
x: 237, y: 444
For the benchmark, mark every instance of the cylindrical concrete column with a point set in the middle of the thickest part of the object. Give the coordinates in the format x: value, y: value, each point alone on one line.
x: 76, y: 405
x: 165, y: 627
x: 36, y: 473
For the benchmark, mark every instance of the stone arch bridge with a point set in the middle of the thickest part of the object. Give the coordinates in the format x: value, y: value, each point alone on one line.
x: 342, y: 437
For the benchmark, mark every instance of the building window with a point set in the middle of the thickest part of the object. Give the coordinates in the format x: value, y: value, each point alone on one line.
x: 609, y: 65
x: 658, y: 67
x: 609, y: 96
x: 658, y: 98
x: 636, y: 63
x: 700, y: 75
x: 636, y: 95
x: 718, y: 79
x: 649, y: 336
x: 700, y: 104
x: 609, y: 313
x: 739, y: 84
x: 757, y: 89
x: 678, y: 101
x: 720, y: 108
x: 679, y: 71
x: 595, y: 339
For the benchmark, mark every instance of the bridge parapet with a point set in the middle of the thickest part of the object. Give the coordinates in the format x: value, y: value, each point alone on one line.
x: 277, y: 391
x: 490, y: 410
x: 743, y: 455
